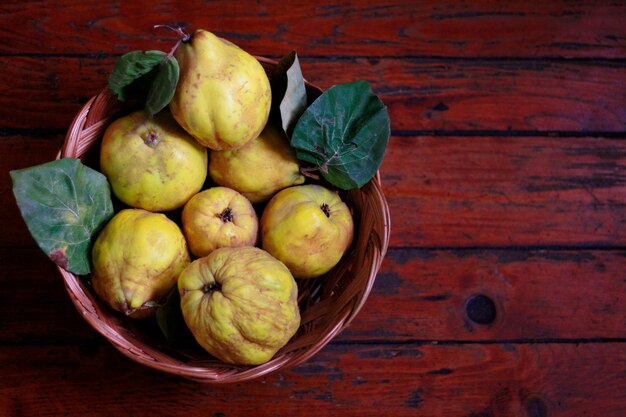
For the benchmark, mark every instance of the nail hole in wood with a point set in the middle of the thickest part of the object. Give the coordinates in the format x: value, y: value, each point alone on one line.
x: 536, y: 408
x: 480, y: 309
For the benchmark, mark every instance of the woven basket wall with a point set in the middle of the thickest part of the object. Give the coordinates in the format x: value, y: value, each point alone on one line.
x: 327, y: 304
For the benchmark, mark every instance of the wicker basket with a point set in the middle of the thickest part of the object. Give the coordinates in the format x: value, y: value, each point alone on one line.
x: 327, y: 304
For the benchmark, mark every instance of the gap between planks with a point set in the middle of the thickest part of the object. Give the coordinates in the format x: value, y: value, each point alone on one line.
x: 367, y: 342
x: 308, y: 57
x: 47, y: 132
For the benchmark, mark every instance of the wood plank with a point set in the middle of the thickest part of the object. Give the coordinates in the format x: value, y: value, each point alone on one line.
x: 424, y: 295
x: 465, y: 380
x: 387, y: 28
x: 37, y: 308
x: 420, y: 94
x: 458, y: 191
x: 20, y: 152
x: 467, y: 192
x: 418, y: 295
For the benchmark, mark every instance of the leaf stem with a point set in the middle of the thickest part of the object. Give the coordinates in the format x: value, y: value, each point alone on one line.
x: 310, y: 172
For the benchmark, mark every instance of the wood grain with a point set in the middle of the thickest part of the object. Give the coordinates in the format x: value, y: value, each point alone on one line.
x: 386, y: 28
x: 552, y: 294
x: 422, y: 95
x: 465, y: 192
x: 418, y: 295
x: 500, y: 380
x: 506, y: 178
x: 456, y: 191
x: 37, y: 308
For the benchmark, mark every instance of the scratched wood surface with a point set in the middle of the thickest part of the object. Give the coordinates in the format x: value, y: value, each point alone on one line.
x: 421, y: 94
x: 503, y: 291
x: 499, y: 379
x: 382, y: 28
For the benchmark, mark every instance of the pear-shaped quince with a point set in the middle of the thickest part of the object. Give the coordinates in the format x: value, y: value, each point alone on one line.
x: 137, y: 258
x: 151, y: 163
x: 260, y: 168
x: 241, y: 304
x: 223, y: 95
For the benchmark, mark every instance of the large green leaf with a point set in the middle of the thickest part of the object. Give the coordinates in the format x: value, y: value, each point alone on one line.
x: 64, y: 203
x: 344, y: 134
x: 130, y: 68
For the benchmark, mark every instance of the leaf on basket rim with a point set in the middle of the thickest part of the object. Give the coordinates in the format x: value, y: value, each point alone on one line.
x: 130, y: 68
x: 289, y: 90
x: 344, y: 134
x: 64, y: 204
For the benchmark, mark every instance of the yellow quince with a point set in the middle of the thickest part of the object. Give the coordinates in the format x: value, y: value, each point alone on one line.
x: 241, y: 304
x: 137, y: 258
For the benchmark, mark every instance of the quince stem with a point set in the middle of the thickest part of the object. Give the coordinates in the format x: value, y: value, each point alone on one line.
x: 184, y: 37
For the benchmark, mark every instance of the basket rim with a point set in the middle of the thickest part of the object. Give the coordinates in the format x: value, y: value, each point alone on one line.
x: 145, y: 357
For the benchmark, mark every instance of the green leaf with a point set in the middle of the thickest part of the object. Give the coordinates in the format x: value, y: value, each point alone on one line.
x: 163, y: 87
x: 288, y: 83
x: 170, y: 319
x: 64, y: 203
x: 344, y: 134
x: 130, y: 68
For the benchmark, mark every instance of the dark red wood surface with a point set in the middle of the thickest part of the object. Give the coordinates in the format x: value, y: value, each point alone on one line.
x: 423, y: 95
x: 505, y: 176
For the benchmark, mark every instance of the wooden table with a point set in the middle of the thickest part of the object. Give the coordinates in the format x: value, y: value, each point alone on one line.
x: 503, y: 292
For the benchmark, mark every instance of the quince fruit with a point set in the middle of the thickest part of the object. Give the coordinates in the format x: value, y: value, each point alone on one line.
x: 223, y: 96
x: 137, y: 258
x: 219, y: 217
x: 308, y: 228
x: 260, y: 168
x: 241, y: 304
x: 151, y: 163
